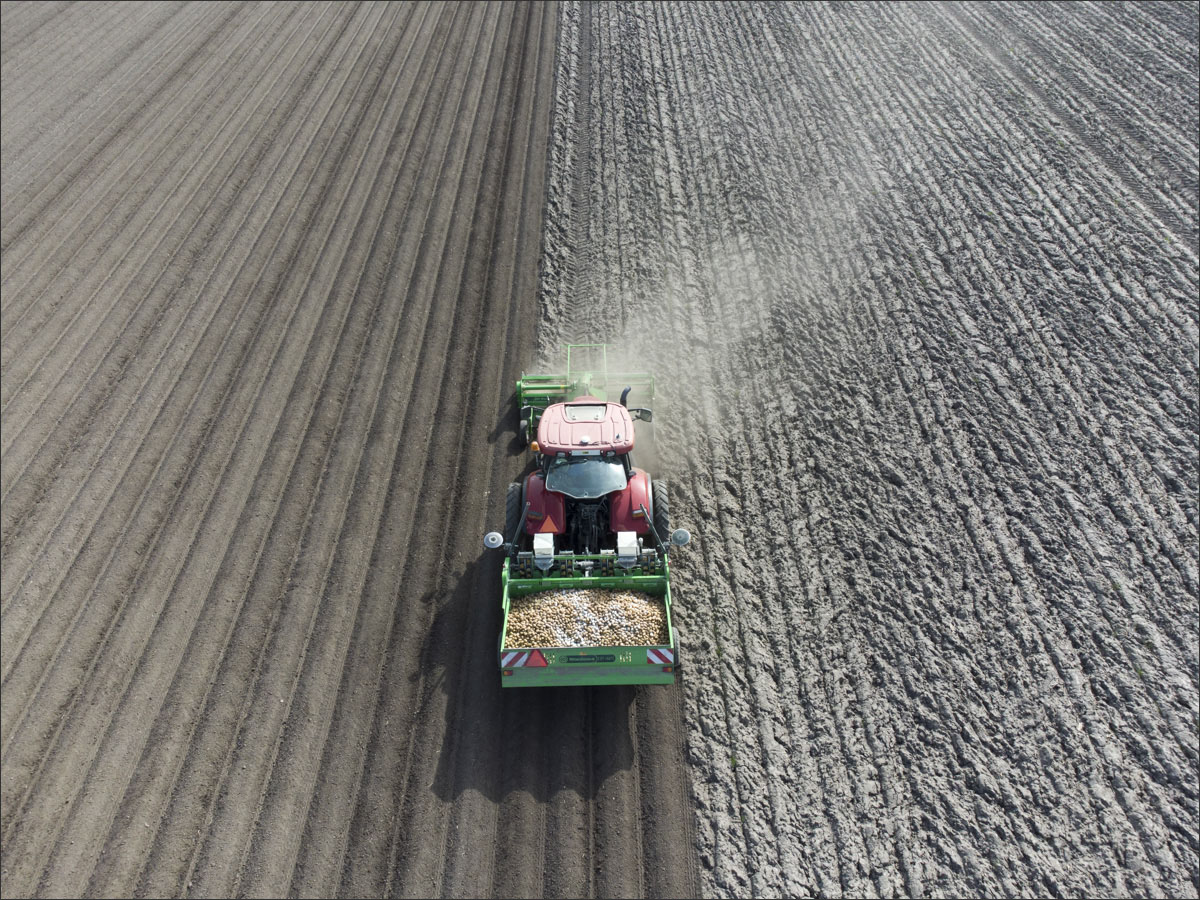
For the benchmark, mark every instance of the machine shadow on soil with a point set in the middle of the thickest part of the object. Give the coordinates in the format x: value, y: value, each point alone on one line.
x: 507, y: 424
x: 461, y: 650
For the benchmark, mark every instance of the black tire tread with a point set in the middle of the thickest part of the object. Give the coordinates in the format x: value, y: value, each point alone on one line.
x: 662, y: 510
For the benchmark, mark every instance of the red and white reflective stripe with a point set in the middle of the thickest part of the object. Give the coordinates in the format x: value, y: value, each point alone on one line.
x: 514, y: 659
x: 660, y: 656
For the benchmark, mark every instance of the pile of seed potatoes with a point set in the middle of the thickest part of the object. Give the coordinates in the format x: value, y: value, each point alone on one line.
x: 587, y: 618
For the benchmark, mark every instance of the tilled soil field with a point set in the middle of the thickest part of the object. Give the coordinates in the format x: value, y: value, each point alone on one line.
x: 919, y: 283
x: 269, y: 274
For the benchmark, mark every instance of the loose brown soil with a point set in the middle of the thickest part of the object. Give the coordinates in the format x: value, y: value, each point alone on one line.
x: 269, y: 274
x: 918, y: 283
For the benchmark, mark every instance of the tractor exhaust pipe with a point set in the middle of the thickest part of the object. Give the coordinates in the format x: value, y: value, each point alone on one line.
x: 624, y: 395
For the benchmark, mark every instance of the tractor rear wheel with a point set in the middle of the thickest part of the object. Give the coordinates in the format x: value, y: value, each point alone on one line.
x: 646, y: 447
x: 513, y: 507
x: 662, y: 511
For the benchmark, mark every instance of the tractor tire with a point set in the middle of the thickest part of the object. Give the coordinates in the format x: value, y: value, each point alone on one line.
x: 662, y: 511
x: 645, y: 447
x: 514, y: 505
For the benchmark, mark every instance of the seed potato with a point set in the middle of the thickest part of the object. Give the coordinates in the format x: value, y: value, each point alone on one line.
x: 587, y: 617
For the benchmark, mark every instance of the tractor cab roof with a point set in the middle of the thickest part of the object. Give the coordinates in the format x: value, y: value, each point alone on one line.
x: 584, y: 426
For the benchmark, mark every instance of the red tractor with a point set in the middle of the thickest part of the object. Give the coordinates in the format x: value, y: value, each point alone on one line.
x: 585, y: 518
x: 586, y: 490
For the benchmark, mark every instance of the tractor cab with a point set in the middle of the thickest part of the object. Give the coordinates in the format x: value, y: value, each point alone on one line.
x: 585, y: 488
x: 584, y: 448
x: 585, y: 427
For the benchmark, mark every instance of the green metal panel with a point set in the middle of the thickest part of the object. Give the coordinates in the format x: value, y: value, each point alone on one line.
x: 588, y: 375
x: 582, y: 676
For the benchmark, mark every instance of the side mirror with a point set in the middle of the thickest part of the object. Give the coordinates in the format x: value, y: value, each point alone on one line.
x: 493, y: 540
x: 680, y: 537
x: 641, y: 414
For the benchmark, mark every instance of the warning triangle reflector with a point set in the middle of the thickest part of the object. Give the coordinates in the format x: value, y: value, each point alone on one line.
x: 548, y: 525
x: 536, y: 659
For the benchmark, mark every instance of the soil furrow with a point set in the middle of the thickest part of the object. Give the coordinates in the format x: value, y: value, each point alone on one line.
x: 56, y: 71
x: 265, y: 784
x: 333, y: 427
x: 473, y: 821
x: 76, y: 69
x: 434, y: 281
x: 88, y: 269
x: 296, y: 488
x: 451, y: 759
x: 130, y: 441
x: 1132, y: 71
x: 312, y: 432
x: 164, y: 559
x: 876, y: 789
x: 69, y: 167
x: 173, y: 33
x: 1083, y: 569
x: 727, y: 288
x: 252, y: 470
x: 173, y: 454
x: 685, y: 253
x: 221, y: 341
x: 23, y: 21
x: 842, y: 780
x: 61, y: 48
x: 293, y: 779
x: 616, y: 837
x: 373, y: 606
x: 155, y: 325
x: 582, y: 247
x: 97, y: 331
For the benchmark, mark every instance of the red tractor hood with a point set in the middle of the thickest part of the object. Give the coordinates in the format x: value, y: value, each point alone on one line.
x: 585, y: 424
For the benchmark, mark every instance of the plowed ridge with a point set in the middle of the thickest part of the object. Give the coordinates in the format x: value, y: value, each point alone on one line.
x: 919, y: 286
x: 269, y: 273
